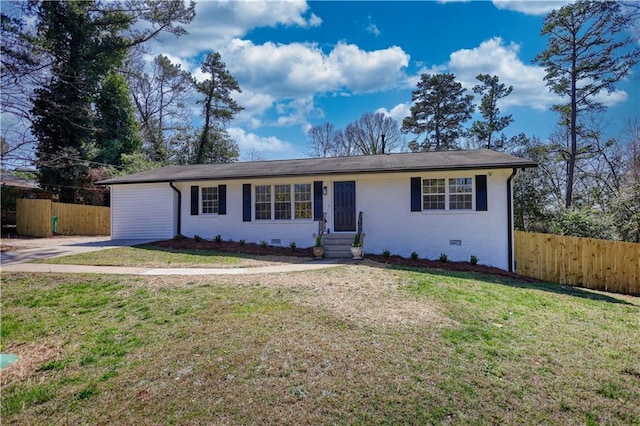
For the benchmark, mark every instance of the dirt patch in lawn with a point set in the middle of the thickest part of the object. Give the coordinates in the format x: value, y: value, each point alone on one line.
x: 31, y: 358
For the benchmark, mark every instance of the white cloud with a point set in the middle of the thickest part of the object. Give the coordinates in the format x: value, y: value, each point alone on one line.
x: 494, y: 57
x: 218, y: 22
x: 264, y: 146
x: 299, y: 69
x: 530, y: 7
x: 372, y: 27
x: 398, y: 112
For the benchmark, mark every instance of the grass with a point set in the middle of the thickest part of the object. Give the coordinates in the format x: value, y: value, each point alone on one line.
x: 149, y: 256
x: 148, y: 350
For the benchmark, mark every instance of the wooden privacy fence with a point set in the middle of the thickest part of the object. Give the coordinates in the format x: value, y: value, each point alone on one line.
x: 34, y: 219
x: 585, y: 262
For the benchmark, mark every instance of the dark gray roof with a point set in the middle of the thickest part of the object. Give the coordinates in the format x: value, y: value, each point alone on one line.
x: 387, y: 163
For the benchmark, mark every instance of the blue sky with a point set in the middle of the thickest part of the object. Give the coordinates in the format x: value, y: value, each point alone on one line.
x: 300, y: 63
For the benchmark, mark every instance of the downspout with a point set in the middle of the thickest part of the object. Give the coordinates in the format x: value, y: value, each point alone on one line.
x: 510, y: 219
x: 179, y: 206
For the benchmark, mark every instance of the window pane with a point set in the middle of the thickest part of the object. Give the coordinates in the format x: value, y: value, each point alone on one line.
x: 433, y: 202
x: 263, y: 202
x: 210, y: 200
x: 302, y: 196
x: 282, y: 198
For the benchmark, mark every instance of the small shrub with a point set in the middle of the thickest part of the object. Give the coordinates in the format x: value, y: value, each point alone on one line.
x: 263, y: 244
x: 178, y: 237
x: 218, y: 238
x: 414, y: 255
x: 386, y: 254
x: 319, y: 241
x: 443, y: 258
x: 356, y: 241
x: 197, y: 238
x: 292, y: 245
x: 242, y: 243
x: 474, y: 260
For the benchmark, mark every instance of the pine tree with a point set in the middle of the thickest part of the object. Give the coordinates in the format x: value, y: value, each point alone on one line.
x: 587, y: 53
x: 440, y: 109
x: 491, y: 91
x: 214, y: 144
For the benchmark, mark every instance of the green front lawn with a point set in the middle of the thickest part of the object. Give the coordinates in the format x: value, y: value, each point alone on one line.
x: 149, y: 256
x: 350, y: 345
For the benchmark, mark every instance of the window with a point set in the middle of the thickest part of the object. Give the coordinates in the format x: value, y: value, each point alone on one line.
x: 286, y: 201
x: 433, y: 194
x: 303, y: 201
x: 210, y: 200
x: 447, y: 194
x: 282, y: 202
x: 460, y: 194
x: 263, y: 202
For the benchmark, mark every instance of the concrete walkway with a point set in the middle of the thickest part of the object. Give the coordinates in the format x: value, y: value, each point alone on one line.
x: 30, y: 249
x: 87, y: 269
x: 25, y: 250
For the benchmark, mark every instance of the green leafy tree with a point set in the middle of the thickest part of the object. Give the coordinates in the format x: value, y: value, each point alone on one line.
x: 117, y: 129
x: 440, y: 109
x: 587, y: 53
x: 80, y: 43
x: 492, y: 91
x: 532, y: 189
x: 63, y: 119
x: 219, y: 108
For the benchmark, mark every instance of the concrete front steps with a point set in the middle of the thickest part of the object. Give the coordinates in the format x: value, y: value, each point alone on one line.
x: 337, y: 245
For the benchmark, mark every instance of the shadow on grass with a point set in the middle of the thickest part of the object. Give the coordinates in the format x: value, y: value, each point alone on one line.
x: 515, y: 283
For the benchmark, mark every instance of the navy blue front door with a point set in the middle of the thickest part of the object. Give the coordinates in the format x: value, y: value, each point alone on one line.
x: 344, y: 206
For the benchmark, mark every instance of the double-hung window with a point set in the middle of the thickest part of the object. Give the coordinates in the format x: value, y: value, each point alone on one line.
x: 210, y: 202
x: 302, y: 207
x: 447, y: 194
x: 283, y: 202
x: 460, y: 194
x: 263, y: 202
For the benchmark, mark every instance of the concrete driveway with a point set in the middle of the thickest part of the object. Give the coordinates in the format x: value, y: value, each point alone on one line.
x: 20, y: 250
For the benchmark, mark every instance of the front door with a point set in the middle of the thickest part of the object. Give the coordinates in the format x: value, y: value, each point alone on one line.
x: 344, y: 206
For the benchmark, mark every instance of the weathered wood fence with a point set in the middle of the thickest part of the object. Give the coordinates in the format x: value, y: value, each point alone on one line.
x: 585, y: 262
x: 34, y: 219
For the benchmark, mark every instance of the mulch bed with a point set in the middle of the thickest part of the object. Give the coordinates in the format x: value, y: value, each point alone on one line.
x: 259, y: 250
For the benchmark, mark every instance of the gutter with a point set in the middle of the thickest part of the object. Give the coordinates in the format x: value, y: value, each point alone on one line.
x: 180, y: 206
x: 510, y: 219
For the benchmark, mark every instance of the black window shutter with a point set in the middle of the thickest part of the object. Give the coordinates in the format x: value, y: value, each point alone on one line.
x: 195, y: 193
x: 416, y: 192
x: 481, y: 193
x: 317, y: 200
x: 222, y: 199
x: 246, y: 202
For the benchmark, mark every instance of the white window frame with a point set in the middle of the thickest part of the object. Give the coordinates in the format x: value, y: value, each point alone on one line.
x: 449, y: 184
x: 215, y: 202
x: 295, y: 198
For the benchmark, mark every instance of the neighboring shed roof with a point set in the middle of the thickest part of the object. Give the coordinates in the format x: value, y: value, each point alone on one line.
x: 8, y: 179
x: 387, y: 163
